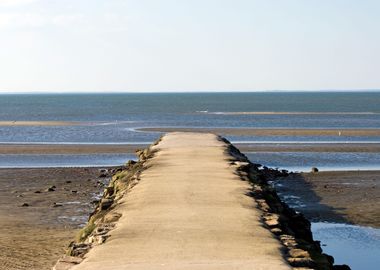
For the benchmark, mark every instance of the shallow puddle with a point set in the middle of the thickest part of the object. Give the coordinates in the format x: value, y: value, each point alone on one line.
x: 356, y: 246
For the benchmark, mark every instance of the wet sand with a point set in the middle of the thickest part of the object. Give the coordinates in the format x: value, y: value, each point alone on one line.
x: 292, y: 113
x: 68, y: 148
x: 131, y: 148
x: 272, y: 132
x: 34, y: 237
x: 345, y: 196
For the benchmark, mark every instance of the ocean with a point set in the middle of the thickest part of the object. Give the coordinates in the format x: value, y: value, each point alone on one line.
x: 116, y: 118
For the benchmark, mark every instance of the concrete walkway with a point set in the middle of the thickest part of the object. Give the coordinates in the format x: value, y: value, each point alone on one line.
x: 189, y: 211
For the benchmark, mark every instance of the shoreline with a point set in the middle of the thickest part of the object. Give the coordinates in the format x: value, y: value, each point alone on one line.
x: 67, y: 148
x: 271, y: 131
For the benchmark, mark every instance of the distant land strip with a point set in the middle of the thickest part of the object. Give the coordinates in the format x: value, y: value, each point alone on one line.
x: 290, y: 113
x: 271, y: 131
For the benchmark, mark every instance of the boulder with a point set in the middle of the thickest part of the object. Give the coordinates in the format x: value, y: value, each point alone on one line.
x: 314, y: 170
x: 106, y: 203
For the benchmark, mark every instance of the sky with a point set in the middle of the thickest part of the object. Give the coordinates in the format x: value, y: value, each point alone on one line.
x: 188, y: 45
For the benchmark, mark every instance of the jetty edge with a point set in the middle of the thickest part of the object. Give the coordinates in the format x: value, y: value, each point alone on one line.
x: 194, y: 201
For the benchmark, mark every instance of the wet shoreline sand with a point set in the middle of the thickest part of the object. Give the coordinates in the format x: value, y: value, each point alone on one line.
x: 69, y: 148
x: 334, y: 196
x: 35, y: 236
x: 131, y: 148
x: 270, y: 131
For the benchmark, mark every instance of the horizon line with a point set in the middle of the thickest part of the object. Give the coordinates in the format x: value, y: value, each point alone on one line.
x: 189, y: 92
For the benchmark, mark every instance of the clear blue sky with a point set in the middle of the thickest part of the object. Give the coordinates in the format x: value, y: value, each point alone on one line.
x: 189, y: 45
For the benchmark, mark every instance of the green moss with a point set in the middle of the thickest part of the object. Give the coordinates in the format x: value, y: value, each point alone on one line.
x: 85, y: 232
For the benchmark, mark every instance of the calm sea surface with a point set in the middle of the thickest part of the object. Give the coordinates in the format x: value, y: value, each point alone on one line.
x: 113, y: 118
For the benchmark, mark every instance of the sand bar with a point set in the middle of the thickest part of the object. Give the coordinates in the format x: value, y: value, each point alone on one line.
x: 291, y: 113
x: 271, y: 131
x: 41, y: 149
x: 69, y: 148
x: 189, y: 211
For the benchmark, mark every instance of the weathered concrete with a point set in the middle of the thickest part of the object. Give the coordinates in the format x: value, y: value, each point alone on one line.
x: 189, y: 211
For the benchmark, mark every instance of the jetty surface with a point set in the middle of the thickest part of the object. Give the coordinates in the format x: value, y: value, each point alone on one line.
x: 190, y: 210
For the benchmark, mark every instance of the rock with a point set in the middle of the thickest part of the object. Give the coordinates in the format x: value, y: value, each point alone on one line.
x: 103, y: 173
x: 276, y: 231
x: 37, y: 191
x: 109, y: 191
x: 106, y: 203
x: 25, y: 205
x: 68, y: 182
x: 299, y: 253
x: 272, y: 220
x: 130, y: 163
x: 301, y: 262
x: 341, y: 267
x: 57, y: 204
x: 314, y: 170
x: 74, y: 191
x: 95, y: 202
x: 67, y: 262
x: 50, y: 189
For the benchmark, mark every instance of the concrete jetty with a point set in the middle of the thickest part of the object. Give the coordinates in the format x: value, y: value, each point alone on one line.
x: 190, y: 210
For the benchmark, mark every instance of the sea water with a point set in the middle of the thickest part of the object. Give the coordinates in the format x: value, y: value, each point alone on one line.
x: 115, y: 118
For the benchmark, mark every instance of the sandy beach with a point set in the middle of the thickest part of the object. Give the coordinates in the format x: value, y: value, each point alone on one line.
x: 35, y: 236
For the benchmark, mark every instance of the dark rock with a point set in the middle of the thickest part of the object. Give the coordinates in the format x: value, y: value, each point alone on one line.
x: 37, y: 191
x: 109, y: 191
x: 95, y: 202
x: 25, y: 205
x: 314, y: 170
x: 74, y: 191
x: 131, y: 162
x: 341, y: 267
x: 68, y: 182
x: 105, y: 204
x: 50, y: 189
x: 103, y: 173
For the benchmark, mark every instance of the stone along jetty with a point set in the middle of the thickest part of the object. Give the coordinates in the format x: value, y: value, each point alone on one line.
x: 193, y: 201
